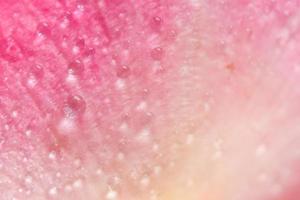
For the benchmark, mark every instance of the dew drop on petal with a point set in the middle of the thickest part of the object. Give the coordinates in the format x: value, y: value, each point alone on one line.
x: 123, y: 71
x: 76, y: 68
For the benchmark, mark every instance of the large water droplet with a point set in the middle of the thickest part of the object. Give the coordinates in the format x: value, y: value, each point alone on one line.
x: 76, y: 68
x: 111, y: 194
x: 77, y: 184
x: 157, y: 53
x: 44, y: 29
x: 52, y: 191
x: 156, y: 23
x: 75, y: 106
x: 123, y: 71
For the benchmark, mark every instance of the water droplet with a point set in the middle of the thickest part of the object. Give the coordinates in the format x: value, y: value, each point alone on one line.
x: 120, y: 84
x: 123, y: 71
x: 144, y: 136
x: 75, y: 50
x: 67, y: 125
x: 76, y: 68
x: 156, y: 23
x: 77, y: 183
x: 99, y: 172
x: 111, y: 194
x: 68, y: 188
x: 52, y: 155
x: 44, y: 29
x: 78, y: 12
x: 37, y: 71
x: 53, y: 191
x: 145, y: 181
x: 75, y: 105
x: 28, y: 179
x: 89, y: 51
x: 14, y: 114
x: 28, y: 133
x: 141, y: 106
x: 31, y: 82
x: 80, y: 43
x: 157, y: 53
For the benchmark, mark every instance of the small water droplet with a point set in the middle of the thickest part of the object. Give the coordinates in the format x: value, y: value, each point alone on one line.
x: 156, y: 23
x: 77, y: 184
x: 111, y: 194
x: 28, y: 179
x: 144, y: 135
x: 75, y: 50
x: 89, y: 51
x: 68, y: 188
x: 123, y: 71
x: 52, y: 155
x: 141, y: 106
x: 44, y: 29
x: 31, y: 82
x: 145, y: 181
x: 76, y: 68
x: 157, y: 53
x: 80, y: 43
x: 28, y: 133
x: 14, y: 114
x: 99, y: 172
x: 53, y: 191
x: 75, y: 105
x: 37, y: 71
x: 120, y: 84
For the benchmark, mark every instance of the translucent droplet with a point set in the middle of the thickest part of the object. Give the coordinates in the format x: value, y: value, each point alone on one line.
x: 76, y: 68
x: 80, y: 43
x: 68, y: 188
x: 111, y: 194
x: 144, y: 135
x: 89, y: 51
x: 99, y: 172
x: 145, y: 181
x: 53, y: 191
x: 31, y: 82
x: 75, y: 105
x: 44, y: 29
x: 156, y: 23
x: 14, y: 114
x: 52, y: 155
x: 120, y: 84
x: 123, y: 71
x: 37, y: 71
x: 141, y: 106
x: 28, y: 179
x: 77, y: 184
x: 157, y: 53
x: 28, y: 133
